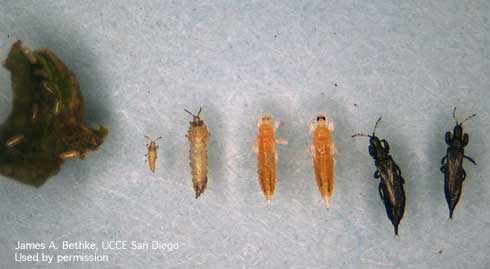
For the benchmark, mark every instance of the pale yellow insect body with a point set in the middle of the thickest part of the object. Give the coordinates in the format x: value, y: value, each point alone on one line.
x: 152, y: 153
x: 198, y: 135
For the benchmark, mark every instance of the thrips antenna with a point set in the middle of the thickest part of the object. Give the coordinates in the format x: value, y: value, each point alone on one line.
x: 192, y: 114
x: 374, y: 131
x: 471, y: 116
x: 461, y: 123
x: 361, y: 134
x: 153, y: 140
x: 454, y: 116
x: 376, y: 125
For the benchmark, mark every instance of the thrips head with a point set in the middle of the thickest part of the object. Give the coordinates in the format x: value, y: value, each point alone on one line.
x: 196, y: 120
x: 152, y: 144
x: 321, y: 117
x: 265, y: 117
x: 320, y: 120
x: 377, y: 149
x: 458, y: 129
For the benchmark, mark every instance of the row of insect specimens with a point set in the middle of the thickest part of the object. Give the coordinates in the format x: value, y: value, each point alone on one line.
x: 322, y: 150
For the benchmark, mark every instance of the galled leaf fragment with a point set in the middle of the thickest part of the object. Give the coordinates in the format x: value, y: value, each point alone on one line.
x: 45, y: 125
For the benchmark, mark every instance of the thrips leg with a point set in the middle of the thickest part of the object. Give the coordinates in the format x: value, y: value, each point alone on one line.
x: 397, y: 169
x: 312, y: 150
x: 281, y: 141
x: 465, y: 139
x: 380, y: 190
x: 443, y: 159
x: 470, y: 159
x: 277, y: 124
x: 259, y: 122
x: 449, y: 137
x: 386, y: 146
x: 311, y: 127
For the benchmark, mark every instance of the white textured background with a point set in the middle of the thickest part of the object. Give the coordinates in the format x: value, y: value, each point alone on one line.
x: 140, y: 63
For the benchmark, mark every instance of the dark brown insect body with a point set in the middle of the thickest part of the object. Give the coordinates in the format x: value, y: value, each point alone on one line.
x: 198, y: 152
x: 452, y: 164
x: 151, y: 156
x: 390, y: 186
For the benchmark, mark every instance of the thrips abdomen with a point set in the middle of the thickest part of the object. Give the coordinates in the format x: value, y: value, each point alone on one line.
x: 391, y: 181
x: 452, y: 164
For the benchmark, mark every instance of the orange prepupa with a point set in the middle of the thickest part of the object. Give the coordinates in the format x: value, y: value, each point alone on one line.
x: 265, y: 149
x: 323, y: 150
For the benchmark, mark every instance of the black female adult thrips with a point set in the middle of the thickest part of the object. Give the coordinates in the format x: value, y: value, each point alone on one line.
x: 452, y: 164
x: 391, y: 181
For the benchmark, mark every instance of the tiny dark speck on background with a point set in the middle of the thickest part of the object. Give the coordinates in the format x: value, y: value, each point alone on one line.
x: 335, y: 84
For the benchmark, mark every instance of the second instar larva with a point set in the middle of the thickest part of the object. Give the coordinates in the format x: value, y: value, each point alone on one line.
x: 322, y: 150
x: 198, y: 135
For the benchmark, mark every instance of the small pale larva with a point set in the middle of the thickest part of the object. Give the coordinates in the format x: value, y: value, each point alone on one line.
x: 152, y: 153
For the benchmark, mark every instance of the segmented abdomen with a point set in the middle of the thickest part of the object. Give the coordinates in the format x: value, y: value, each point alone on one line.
x: 266, y: 161
x: 152, y: 157
x: 323, y: 162
x: 324, y: 174
x: 198, y: 157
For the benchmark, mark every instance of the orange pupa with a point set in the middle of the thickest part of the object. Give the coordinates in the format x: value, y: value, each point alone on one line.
x: 265, y: 149
x: 151, y: 156
x: 322, y: 150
